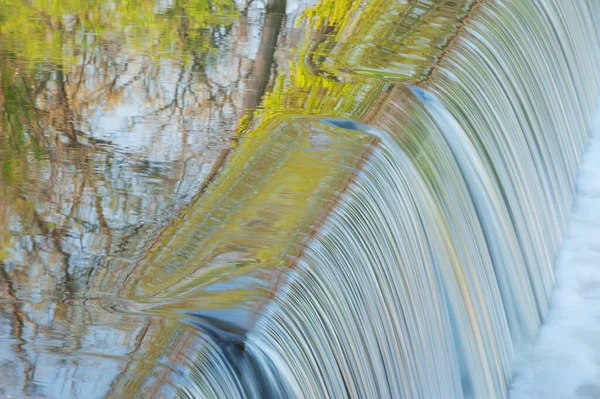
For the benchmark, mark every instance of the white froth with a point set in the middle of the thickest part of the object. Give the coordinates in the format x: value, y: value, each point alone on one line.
x: 565, y: 360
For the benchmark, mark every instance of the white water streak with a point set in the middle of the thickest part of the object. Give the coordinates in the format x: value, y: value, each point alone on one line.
x: 436, y: 267
x: 565, y: 361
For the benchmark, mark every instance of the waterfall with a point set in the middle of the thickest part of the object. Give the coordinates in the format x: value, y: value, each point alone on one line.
x: 431, y: 265
x: 436, y: 264
x: 563, y: 363
x: 299, y: 199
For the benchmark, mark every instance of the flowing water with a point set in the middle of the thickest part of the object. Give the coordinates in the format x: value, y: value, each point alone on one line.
x: 565, y: 360
x: 287, y: 199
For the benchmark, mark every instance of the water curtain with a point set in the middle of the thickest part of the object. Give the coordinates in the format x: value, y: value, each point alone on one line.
x: 430, y: 261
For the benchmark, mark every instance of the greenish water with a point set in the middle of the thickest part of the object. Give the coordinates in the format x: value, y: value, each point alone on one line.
x: 324, y: 198
x: 116, y: 116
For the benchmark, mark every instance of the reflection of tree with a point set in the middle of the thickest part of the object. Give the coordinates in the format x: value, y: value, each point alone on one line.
x: 49, y: 109
x: 76, y: 199
x: 114, y: 114
x: 19, y: 319
x: 262, y: 65
x: 90, y: 200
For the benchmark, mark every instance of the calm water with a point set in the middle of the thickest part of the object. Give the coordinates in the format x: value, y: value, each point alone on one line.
x: 113, y: 116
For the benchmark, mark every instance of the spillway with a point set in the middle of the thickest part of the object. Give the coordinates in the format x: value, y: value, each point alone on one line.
x: 436, y: 264
x: 388, y: 221
x: 433, y: 262
x: 563, y: 362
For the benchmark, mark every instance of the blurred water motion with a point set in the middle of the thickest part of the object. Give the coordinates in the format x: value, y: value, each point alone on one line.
x: 114, y: 119
x: 223, y: 198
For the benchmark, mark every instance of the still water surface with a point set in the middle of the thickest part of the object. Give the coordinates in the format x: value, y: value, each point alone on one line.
x: 116, y: 116
x: 113, y: 116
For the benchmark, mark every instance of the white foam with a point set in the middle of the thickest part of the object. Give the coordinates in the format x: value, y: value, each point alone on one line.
x: 565, y: 360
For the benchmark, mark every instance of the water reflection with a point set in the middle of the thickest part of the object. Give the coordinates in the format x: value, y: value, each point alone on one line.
x: 115, y: 119
x: 112, y: 117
